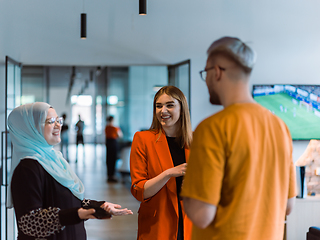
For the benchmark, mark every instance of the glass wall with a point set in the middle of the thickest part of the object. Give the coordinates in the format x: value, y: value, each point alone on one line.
x: 81, y: 105
x: 125, y: 92
x: 12, y: 100
x: 144, y: 82
x: 33, y: 85
x: 117, y: 99
x: 179, y: 76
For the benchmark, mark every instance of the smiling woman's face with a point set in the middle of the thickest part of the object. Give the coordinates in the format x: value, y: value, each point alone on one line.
x: 168, y: 113
x: 51, y: 131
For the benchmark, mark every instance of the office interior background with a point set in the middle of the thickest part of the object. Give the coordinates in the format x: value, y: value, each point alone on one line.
x: 126, y: 56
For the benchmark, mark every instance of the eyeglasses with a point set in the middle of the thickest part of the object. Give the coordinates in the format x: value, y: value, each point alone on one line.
x: 203, y: 73
x: 55, y: 120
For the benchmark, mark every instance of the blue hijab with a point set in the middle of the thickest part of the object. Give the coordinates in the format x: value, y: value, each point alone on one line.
x: 26, y: 126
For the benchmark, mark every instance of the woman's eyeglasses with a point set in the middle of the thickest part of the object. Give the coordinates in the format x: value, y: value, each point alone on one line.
x: 54, y: 120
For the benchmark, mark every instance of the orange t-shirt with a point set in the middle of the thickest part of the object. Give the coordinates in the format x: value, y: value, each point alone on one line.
x: 111, y: 132
x: 241, y: 162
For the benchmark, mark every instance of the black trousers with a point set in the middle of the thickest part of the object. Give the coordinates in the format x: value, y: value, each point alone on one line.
x: 112, y: 156
x: 79, y: 139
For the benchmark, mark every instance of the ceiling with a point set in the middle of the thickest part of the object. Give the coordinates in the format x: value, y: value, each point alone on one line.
x: 41, y: 32
x: 48, y: 32
x: 284, y: 33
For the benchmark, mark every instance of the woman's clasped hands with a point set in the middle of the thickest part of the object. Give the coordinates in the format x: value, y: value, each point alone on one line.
x: 110, y: 209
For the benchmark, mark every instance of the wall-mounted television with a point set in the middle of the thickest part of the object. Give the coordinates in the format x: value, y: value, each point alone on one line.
x: 297, y: 105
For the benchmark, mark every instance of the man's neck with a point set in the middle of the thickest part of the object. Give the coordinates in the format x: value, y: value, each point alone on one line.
x: 236, y: 93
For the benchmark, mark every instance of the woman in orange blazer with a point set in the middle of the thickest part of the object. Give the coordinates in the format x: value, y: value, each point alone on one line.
x: 157, y: 165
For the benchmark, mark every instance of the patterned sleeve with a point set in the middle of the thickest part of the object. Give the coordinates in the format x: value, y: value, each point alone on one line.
x: 41, y: 222
x: 88, y: 203
x: 85, y: 202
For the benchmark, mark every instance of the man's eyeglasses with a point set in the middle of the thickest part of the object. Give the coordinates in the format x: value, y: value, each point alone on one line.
x: 54, y: 120
x: 203, y: 73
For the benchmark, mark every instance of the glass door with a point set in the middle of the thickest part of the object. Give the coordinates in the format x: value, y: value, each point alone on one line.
x: 12, y: 100
x: 179, y: 76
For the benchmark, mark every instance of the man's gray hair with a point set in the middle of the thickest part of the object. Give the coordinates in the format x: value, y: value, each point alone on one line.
x: 235, y: 49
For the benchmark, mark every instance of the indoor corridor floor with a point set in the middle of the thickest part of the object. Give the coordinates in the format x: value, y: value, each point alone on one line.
x: 91, y: 169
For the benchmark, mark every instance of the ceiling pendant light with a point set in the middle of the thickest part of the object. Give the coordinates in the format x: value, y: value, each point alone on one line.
x: 83, y: 27
x: 142, y: 7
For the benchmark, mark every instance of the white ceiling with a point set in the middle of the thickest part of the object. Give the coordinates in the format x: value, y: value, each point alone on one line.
x: 285, y: 33
x: 42, y: 32
x: 48, y: 32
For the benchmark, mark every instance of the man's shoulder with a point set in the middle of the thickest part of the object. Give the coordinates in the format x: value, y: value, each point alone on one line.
x: 234, y: 114
x: 208, y: 127
x: 262, y: 112
x: 243, y: 110
x: 212, y: 119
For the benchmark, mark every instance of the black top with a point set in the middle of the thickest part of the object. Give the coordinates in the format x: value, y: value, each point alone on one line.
x: 178, y: 157
x: 44, y: 208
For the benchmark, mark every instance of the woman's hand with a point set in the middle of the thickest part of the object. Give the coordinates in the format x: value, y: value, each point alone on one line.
x: 86, y: 213
x: 115, y: 209
x: 153, y: 185
x: 178, y: 171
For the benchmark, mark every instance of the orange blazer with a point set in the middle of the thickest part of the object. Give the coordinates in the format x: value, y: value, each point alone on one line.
x: 158, y: 215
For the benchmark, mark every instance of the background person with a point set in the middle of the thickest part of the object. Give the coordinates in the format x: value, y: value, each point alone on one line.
x: 79, y: 138
x: 65, y: 138
x: 112, y: 134
x: 46, y: 194
x: 240, y: 181
x: 157, y: 164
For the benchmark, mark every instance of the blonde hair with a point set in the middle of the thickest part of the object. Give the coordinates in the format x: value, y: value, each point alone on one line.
x: 236, y: 50
x: 184, y: 134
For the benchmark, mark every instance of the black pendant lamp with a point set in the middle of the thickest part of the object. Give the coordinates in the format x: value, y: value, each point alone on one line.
x: 142, y: 7
x: 83, y: 27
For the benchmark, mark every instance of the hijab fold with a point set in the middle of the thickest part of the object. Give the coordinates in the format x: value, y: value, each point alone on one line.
x: 26, y: 126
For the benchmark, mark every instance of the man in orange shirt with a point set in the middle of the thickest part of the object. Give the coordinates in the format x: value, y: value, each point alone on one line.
x: 240, y: 179
x: 112, y: 134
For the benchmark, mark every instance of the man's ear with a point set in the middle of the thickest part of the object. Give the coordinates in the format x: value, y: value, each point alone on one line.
x: 218, y: 73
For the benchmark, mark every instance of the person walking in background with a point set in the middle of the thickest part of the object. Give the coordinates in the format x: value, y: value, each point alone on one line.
x: 47, y: 196
x: 157, y: 164
x: 64, y: 138
x: 240, y: 180
x: 112, y: 134
x: 79, y: 139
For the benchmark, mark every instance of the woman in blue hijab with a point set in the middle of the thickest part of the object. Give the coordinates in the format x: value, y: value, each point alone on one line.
x: 45, y: 192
